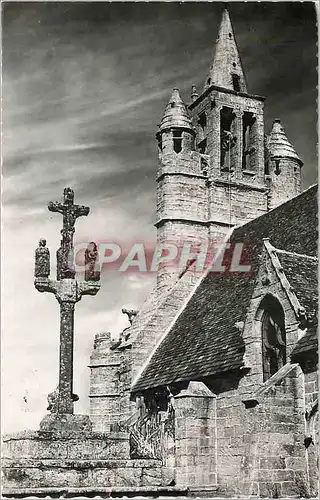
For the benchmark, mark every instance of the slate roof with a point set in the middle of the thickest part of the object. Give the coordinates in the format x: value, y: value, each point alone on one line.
x: 309, y: 342
x: 279, y: 145
x: 175, y: 114
x: 302, y: 274
x: 204, y: 340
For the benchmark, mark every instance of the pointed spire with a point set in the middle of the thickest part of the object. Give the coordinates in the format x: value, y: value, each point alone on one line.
x: 279, y: 145
x: 175, y: 114
x: 226, y: 69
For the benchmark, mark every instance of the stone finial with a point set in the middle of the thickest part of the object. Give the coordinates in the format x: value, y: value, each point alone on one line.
x: 131, y: 313
x: 176, y: 114
x: 226, y: 69
x: 279, y: 145
x: 42, y: 260
x: 194, y: 93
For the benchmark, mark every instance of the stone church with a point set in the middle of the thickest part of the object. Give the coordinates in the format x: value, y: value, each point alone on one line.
x: 212, y: 388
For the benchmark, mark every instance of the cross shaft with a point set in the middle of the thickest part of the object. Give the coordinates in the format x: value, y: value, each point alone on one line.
x: 68, y: 291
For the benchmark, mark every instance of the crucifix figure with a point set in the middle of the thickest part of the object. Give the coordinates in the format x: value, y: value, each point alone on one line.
x: 68, y: 291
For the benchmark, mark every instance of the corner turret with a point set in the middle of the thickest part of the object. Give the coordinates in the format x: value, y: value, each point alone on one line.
x: 182, y: 204
x: 176, y: 132
x: 283, y: 167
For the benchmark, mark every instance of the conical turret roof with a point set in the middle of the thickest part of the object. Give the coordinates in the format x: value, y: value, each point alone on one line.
x: 176, y: 114
x: 279, y: 145
x: 226, y: 69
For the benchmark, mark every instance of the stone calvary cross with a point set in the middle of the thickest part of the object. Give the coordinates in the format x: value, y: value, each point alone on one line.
x: 67, y: 290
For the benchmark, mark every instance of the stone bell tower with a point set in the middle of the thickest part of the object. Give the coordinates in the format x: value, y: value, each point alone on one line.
x: 229, y: 126
x: 217, y: 168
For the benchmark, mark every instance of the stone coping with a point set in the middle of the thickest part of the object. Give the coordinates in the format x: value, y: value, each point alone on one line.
x: 80, y: 464
x: 119, y: 491
x: 24, y: 435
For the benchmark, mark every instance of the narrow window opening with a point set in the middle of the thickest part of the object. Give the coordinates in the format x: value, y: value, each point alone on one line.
x: 202, y: 120
x: 160, y: 144
x: 236, y: 82
x: 209, y: 81
x: 277, y: 170
x: 202, y: 146
x: 230, y: 35
x: 247, y: 141
x: 266, y: 157
x: 177, y: 140
x: 273, y: 337
x: 234, y: 64
x: 173, y: 104
x: 227, y: 139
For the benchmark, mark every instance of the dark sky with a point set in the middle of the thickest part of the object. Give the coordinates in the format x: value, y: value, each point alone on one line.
x: 84, y: 87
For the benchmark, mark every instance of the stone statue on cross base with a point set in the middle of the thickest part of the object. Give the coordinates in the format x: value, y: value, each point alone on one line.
x: 68, y: 291
x: 42, y: 260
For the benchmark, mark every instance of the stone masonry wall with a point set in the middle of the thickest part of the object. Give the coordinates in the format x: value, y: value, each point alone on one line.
x: 33, y: 461
x: 182, y: 207
x: 182, y: 197
x: 195, y: 437
x: 312, y: 431
x: 179, y: 233
x: 286, y: 184
x: 261, y: 449
x: 107, y: 384
x: 235, y: 204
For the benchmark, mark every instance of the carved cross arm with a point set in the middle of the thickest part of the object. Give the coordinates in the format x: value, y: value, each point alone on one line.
x: 46, y: 285
x: 87, y: 288
x: 55, y: 206
x: 81, y: 210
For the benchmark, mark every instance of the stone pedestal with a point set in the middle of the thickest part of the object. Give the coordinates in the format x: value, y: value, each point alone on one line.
x: 66, y: 424
x: 64, y: 457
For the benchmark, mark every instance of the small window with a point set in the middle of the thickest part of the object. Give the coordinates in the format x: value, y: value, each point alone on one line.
x: 202, y: 120
x: 202, y: 146
x: 236, y: 82
x: 248, y: 141
x: 277, y: 170
x: 177, y: 140
x: 230, y: 35
x: 209, y: 81
x: 273, y: 336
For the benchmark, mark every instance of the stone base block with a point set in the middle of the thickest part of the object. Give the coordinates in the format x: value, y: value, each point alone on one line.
x: 66, y: 424
x: 58, y: 458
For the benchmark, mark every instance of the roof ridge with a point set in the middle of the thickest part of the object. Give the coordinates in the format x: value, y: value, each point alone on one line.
x: 295, y: 254
x: 247, y: 222
x: 292, y: 297
x: 288, y: 201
